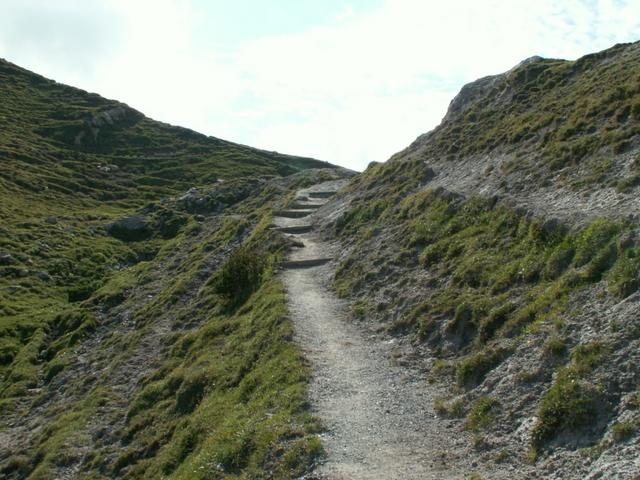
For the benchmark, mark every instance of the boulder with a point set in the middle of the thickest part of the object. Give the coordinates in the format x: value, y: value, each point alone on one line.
x: 130, y: 229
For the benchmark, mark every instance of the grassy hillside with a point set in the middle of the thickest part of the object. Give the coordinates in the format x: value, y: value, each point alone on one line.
x: 560, y: 122
x: 524, y: 314
x: 73, y: 274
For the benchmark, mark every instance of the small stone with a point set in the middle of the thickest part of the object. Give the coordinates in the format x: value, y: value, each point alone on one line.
x: 6, y: 259
x: 627, y: 240
x: 44, y: 276
x: 552, y: 226
x: 199, y: 218
x: 51, y: 220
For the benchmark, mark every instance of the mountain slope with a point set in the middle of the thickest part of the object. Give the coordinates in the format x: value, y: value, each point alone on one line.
x: 119, y: 331
x: 503, y: 246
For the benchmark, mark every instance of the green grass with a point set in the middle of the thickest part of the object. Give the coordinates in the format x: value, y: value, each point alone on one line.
x: 58, y: 194
x: 231, y: 400
x: 570, y: 403
x: 494, y: 278
x: 232, y: 390
x: 482, y: 413
x: 622, y: 431
x: 56, y: 197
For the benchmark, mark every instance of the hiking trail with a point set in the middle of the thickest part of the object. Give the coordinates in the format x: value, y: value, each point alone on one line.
x: 378, y: 416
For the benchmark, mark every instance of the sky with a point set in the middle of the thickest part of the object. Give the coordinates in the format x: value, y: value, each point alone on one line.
x: 349, y: 82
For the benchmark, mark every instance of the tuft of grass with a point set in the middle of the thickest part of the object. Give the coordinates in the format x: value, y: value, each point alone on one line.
x: 570, y: 403
x: 555, y: 346
x: 360, y: 308
x: 471, y: 370
x: 482, y: 413
x: 623, y: 431
x: 623, y: 278
x: 449, y: 408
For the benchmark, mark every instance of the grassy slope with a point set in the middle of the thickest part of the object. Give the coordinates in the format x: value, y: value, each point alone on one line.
x: 493, y: 277
x: 45, y: 175
x: 67, y: 171
x: 568, y: 114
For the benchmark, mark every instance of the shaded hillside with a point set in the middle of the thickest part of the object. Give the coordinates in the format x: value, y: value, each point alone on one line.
x: 503, y: 245
x: 117, y: 335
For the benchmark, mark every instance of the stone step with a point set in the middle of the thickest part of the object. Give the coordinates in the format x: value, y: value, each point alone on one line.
x: 305, y: 206
x: 295, y: 229
x: 292, y: 213
x: 314, y: 262
x: 321, y: 194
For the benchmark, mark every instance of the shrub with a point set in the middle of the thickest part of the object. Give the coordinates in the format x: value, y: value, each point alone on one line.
x: 241, y: 275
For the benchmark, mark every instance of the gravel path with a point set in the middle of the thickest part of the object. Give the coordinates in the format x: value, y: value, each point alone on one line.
x: 379, y: 416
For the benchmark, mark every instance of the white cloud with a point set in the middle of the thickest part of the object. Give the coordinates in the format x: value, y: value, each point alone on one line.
x: 354, y: 90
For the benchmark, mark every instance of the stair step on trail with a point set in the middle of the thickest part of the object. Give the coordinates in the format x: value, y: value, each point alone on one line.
x: 293, y: 213
x: 314, y: 262
x: 305, y: 206
x: 321, y: 194
x: 295, y: 229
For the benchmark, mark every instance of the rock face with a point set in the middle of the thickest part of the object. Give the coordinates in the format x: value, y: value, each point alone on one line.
x: 130, y: 228
x: 96, y: 122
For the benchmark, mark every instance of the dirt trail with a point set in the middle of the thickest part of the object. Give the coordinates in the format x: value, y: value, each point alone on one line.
x: 379, y: 417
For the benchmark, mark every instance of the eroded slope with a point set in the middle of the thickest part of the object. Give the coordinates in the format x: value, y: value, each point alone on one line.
x: 503, y: 246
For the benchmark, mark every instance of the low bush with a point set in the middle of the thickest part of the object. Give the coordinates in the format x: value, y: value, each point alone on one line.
x: 241, y: 275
